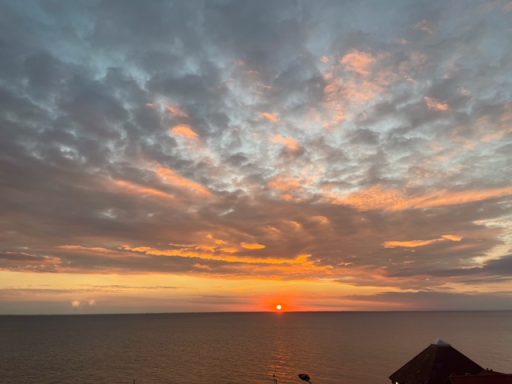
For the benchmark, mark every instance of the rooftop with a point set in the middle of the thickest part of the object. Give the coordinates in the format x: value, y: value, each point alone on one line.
x: 434, y: 365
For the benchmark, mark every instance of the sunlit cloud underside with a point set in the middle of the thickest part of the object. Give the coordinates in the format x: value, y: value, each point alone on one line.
x: 237, y: 155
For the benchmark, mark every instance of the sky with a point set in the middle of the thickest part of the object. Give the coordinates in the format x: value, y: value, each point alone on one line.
x: 232, y: 155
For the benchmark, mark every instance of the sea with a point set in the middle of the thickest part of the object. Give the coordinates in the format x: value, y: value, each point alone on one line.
x: 207, y: 348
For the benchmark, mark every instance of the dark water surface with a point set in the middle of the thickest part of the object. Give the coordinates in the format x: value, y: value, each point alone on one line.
x: 349, y: 348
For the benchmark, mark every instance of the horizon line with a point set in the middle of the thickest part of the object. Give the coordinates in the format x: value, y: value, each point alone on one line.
x: 251, y: 312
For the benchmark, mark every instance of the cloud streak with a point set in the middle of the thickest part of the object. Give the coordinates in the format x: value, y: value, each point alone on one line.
x: 420, y: 243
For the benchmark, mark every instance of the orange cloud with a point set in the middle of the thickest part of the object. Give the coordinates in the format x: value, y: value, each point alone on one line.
x: 272, y: 117
x: 176, y: 111
x: 345, y: 94
x: 361, y: 92
x: 75, y: 247
x: 269, y: 267
x: 288, y: 187
x: 453, y: 198
x: 206, y: 253
x: 220, y: 245
x: 229, y: 249
x: 137, y: 189
x: 253, y: 246
x: 170, y: 176
x: 420, y: 243
x: 336, y: 103
x: 289, y: 142
x: 408, y: 243
x: 184, y: 130
x: 435, y: 105
x: 452, y: 237
x: 377, y: 197
x: 320, y: 220
x: 374, y: 197
x: 358, y: 61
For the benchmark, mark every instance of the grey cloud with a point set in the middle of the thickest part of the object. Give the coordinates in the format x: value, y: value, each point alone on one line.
x: 432, y: 300
x: 497, y: 268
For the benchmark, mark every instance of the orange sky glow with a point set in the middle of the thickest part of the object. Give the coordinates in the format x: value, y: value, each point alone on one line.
x: 237, y: 159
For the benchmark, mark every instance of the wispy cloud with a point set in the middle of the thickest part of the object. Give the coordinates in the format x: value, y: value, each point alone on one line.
x: 435, y: 105
x: 253, y: 246
x: 177, y: 111
x: 289, y: 142
x: 184, y: 130
x: 171, y: 177
x: 139, y: 190
x: 377, y: 197
x: 358, y: 61
x: 271, y: 116
x: 420, y: 243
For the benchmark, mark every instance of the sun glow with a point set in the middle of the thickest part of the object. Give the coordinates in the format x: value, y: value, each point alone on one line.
x: 279, y: 307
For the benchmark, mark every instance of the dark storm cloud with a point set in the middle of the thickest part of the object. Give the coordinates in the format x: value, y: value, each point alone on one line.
x: 295, y: 128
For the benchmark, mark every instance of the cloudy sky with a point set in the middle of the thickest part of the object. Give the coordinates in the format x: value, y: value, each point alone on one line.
x: 232, y: 155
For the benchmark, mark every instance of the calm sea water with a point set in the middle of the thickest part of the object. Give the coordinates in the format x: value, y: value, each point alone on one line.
x: 349, y: 348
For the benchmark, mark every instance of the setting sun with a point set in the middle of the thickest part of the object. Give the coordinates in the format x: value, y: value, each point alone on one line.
x: 279, y: 307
